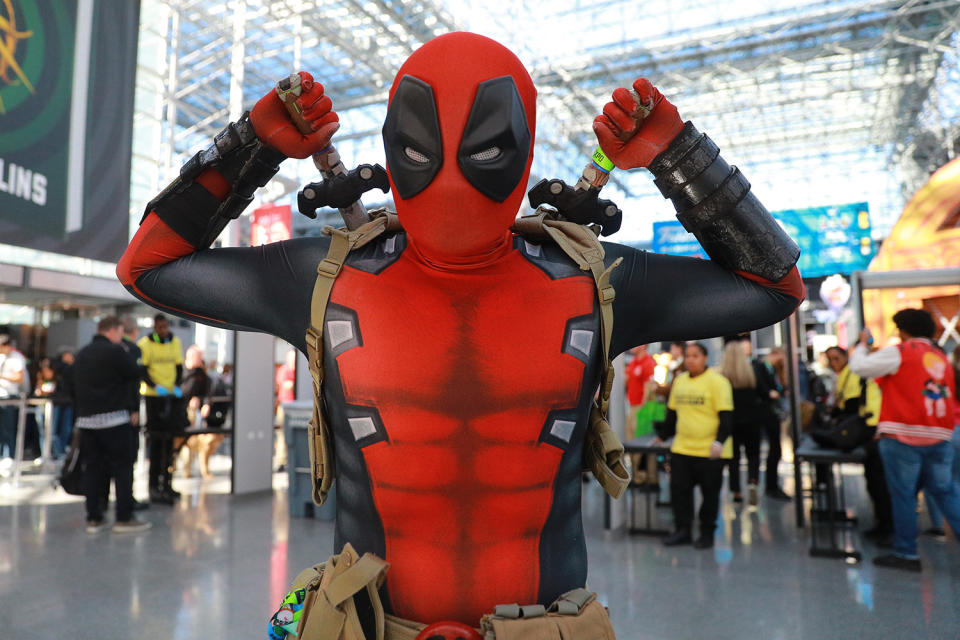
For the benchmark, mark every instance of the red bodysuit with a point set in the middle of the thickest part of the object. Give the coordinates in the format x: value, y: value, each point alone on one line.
x: 460, y: 361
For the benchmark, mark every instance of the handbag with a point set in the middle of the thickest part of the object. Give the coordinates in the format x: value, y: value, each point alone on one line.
x: 71, y: 473
x: 845, y: 431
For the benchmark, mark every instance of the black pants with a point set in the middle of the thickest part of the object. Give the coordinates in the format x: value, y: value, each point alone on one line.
x: 686, y: 472
x: 771, y: 427
x: 746, y: 436
x: 106, y: 454
x: 134, y: 450
x: 8, y: 430
x: 877, y: 485
x: 162, y: 425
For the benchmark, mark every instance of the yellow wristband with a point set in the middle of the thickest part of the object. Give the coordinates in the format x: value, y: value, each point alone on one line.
x: 601, y: 160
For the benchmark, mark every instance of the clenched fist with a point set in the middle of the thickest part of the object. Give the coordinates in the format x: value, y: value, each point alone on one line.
x: 274, y: 127
x: 628, y: 135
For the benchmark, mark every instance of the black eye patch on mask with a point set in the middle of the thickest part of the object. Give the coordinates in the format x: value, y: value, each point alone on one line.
x: 411, y: 137
x: 496, y: 142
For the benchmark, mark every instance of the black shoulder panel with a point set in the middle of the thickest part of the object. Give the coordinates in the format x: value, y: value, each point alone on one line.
x: 549, y: 258
x: 379, y: 254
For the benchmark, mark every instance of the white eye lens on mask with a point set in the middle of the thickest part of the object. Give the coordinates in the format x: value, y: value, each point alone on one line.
x: 486, y: 154
x: 415, y: 155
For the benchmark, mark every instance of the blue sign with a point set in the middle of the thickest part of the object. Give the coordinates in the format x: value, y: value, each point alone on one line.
x: 832, y: 239
x: 671, y: 238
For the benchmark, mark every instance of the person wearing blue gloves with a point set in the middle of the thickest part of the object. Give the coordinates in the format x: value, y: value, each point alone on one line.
x: 162, y: 358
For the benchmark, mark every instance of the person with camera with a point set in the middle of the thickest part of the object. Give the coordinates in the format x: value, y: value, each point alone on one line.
x: 860, y: 396
x: 914, y: 429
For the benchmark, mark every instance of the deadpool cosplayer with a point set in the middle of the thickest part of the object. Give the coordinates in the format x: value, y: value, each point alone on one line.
x: 460, y: 360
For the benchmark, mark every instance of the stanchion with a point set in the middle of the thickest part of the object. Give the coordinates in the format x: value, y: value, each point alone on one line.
x: 18, y: 448
x: 793, y: 338
x: 48, y: 430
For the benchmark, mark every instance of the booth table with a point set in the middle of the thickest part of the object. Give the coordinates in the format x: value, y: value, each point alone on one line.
x: 830, y: 526
x: 642, y: 484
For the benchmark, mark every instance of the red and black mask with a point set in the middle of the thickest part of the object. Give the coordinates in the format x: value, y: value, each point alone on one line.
x: 465, y: 97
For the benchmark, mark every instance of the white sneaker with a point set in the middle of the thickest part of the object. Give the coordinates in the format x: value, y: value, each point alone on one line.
x: 131, y: 526
x: 752, y: 490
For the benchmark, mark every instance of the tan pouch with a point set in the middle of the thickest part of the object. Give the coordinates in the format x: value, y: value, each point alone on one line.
x: 329, y: 611
x: 603, y: 455
x: 576, y: 615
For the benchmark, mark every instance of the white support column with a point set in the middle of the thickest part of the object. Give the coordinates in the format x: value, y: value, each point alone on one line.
x: 173, y: 58
x: 78, y: 116
x: 304, y: 384
x: 618, y: 419
x: 252, y: 412
x: 236, y: 60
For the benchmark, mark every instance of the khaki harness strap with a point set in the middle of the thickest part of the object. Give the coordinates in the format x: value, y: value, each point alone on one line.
x: 341, y: 243
x: 603, y: 451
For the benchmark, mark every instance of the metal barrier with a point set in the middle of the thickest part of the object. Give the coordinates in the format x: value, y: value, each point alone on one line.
x: 25, y: 403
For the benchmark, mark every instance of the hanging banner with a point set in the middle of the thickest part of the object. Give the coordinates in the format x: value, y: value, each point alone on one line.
x: 66, y: 115
x: 270, y: 223
x: 670, y: 237
x: 832, y: 239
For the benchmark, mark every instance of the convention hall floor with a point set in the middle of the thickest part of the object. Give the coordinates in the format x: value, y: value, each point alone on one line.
x: 214, y: 567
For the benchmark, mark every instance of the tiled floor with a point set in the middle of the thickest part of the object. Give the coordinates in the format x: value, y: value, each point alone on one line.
x: 214, y: 567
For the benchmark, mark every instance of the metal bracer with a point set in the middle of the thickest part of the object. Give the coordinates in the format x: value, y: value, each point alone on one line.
x: 242, y: 159
x: 714, y: 203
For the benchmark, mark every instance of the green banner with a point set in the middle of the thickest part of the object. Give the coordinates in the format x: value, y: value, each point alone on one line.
x: 36, y: 79
x: 67, y: 72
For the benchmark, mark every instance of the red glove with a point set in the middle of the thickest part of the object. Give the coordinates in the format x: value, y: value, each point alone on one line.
x: 629, y: 143
x: 274, y: 127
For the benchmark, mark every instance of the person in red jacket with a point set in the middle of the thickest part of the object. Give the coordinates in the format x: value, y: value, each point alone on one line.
x: 460, y: 360
x: 639, y: 373
x: 915, y: 427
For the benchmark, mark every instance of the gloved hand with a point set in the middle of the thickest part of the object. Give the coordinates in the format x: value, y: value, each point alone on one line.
x: 177, y: 393
x: 274, y: 126
x: 162, y: 392
x: 628, y: 143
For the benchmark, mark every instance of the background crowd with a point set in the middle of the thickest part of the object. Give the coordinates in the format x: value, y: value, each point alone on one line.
x: 715, y: 417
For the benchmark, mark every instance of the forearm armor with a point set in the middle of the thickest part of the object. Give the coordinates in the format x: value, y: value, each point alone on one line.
x: 714, y: 203
x: 242, y: 159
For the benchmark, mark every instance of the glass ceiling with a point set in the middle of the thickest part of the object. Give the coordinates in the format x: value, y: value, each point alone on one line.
x: 819, y: 103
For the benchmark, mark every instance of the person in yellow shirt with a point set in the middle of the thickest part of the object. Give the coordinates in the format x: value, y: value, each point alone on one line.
x: 700, y: 414
x: 847, y: 400
x: 162, y: 359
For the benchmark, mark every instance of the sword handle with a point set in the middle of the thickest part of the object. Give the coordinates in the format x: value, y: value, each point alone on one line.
x: 328, y: 161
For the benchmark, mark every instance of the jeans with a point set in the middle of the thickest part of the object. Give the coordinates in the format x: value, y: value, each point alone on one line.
x: 936, y: 516
x: 62, y: 428
x: 907, y: 467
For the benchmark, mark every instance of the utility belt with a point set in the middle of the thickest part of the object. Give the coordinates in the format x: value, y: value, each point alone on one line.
x: 321, y: 606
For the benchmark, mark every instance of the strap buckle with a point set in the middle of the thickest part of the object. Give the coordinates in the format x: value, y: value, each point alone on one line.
x: 328, y: 268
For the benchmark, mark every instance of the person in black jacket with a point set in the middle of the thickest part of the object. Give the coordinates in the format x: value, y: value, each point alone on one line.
x: 751, y: 395
x: 103, y: 373
x: 129, y: 343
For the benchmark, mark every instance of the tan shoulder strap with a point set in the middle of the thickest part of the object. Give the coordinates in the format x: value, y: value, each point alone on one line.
x: 603, y: 451
x: 341, y: 243
x: 580, y: 243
